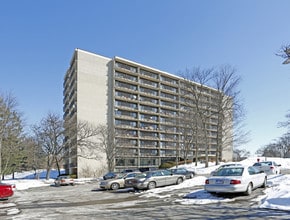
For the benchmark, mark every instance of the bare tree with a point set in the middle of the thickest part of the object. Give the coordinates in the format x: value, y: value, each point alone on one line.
x: 86, y: 134
x: 91, y: 142
x: 49, y: 134
x: 284, y: 52
x: 223, y: 104
x: 34, y: 155
x: 108, y: 145
x: 277, y: 148
x: 197, y: 103
x: 113, y: 142
x: 11, y: 127
x: 241, y: 154
x: 190, y: 129
x: 230, y: 111
x: 80, y: 140
x: 285, y: 124
x: 284, y: 145
x: 270, y: 150
x: 187, y: 135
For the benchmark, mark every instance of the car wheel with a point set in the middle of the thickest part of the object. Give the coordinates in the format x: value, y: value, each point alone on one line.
x: 179, y: 180
x: 151, y: 185
x: 191, y: 176
x: 115, y: 186
x: 264, y: 183
x: 249, y: 189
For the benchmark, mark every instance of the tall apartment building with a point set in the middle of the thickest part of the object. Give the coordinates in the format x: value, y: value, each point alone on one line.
x: 142, y: 104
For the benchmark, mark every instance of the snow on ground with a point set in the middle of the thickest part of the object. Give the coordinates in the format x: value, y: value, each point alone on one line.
x: 277, y: 195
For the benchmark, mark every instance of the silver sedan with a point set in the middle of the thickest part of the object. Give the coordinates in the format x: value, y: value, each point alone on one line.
x: 157, y: 178
x: 118, y: 181
x: 269, y: 167
x: 236, y: 179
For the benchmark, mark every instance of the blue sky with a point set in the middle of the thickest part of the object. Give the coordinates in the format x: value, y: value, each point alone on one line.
x: 37, y: 40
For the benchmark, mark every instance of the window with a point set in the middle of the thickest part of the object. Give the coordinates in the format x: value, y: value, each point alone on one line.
x: 147, y: 99
x: 148, y: 108
x: 149, y: 91
x: 126, y: 76
x: 168, y: 96
x: 149, y: 74
x: 253, y: 171
x: 147, y: 82
x: 125, y: 95
x: 168, y: 104
x: 126, y: 67
x: 169, y: 88
x: 169, y: 80
x: 126, y: 113
x: 148, y: 117
x: 148, y: 143
x: 126, y: 123
x: 125, y: 85
x: 126, y: 104
x: 148, y: 126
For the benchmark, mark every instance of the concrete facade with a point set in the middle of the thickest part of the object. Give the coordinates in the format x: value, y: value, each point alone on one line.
x: 143, y: 105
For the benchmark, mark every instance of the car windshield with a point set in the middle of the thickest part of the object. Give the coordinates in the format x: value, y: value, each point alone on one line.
x: 264, y: 163
x: 230, y: 171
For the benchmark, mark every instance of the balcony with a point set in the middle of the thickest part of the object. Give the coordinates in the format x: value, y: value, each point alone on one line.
x: 126, y: 67
x: 149, y: 75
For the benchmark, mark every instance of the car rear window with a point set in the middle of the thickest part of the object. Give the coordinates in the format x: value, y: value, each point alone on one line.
x: 266, y: 163
x: 230, y: 171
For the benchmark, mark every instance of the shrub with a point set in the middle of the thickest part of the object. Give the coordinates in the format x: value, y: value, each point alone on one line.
x: 167, y: 165
x: 74, y: 176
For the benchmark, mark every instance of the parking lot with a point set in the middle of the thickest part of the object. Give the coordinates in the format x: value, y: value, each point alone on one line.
x: 87, y: 201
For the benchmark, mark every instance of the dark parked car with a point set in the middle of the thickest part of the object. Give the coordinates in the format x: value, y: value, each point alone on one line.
x: 6, y: 190
x: 110, y: 175
x: 183, y: 171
